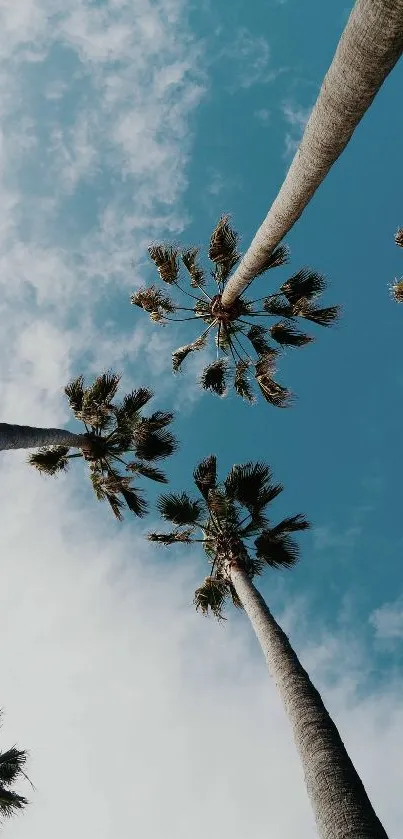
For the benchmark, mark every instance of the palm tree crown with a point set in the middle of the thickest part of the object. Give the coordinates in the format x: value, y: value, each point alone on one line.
x: 232, y: 518
x: 396, y: 288
x: 115, y: 431
x: 295, y: 299
x: 12, y: 764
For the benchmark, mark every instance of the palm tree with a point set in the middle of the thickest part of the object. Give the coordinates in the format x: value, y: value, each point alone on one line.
x: 113, y: 431
x: 240, y: 541
x: 368, y: 49
x: 232, y: 326
x: 12, y: 764
x: 397, y: 287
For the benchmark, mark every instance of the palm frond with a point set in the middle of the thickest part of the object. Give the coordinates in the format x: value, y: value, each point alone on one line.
x: 152, y: 300
x: 205, y: 475
x: 158, y: 420
x: 396, y: 290
x: 277, y: 307
x: 180, y: 509
x: 203, y: 310
x: 134, y: 500
x: 115, y: 504
x: 166, y: 260
x: 266, y: 496
x: 288, y: 336
x: 266, y: 364
x: 10, y: 802
x: 151, y: 440
x: 155, y: 445
x: 147, y: 471
x: 211, y: 597
x: 75, y: 394
x: 213, y: 377
x: 274, y: 259
x: 209, y: 548
x: 276, y: 551
x: 108, y: 488
x: 304, y: 283
x: 242, y: 382
x: 273, y: 392
x: 253, y: 566
x: 97, y: 479
x: 11, y: 765
x: 50, y: 460
x: 171, y: 538
x: 257, y: 523
x: 291, y: 524
x: 196, y: 274
x: 323, y: 317
x: 103, y: 389
x: 223, y: 248
x: 182, y: 352
x: 399, y: 237
x: 127, y: 413
x: 120, y: 440
x: 220, y: 506
x: 257, y: 336
x: 250, y: 484
x: 97, y: 409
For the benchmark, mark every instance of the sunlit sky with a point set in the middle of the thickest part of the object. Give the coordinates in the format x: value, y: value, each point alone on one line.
x: 124, y: 122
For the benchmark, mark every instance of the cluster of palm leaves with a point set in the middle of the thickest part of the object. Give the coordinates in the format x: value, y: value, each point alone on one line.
x: 295, y: 300
x: 231, y: 518
x: 12, y: 764
x: 119, y: 445
x: 397, y: 287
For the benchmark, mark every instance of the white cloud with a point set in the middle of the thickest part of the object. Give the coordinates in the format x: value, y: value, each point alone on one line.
x: 251, y: 55
x: 133, y: 81
x: 297, y: 117
x: 324, y: 536
x: 264, y: 115
x: 127, y: 698
x: 388, y: 621
x: 95, y: 143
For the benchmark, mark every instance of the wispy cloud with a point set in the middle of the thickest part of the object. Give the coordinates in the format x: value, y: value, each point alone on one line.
x: 264, y: 115
x: 249, y: 57
x: 296, y: 117
x: 325, y: 537
x: 387, y: 621
x: 95, y: 139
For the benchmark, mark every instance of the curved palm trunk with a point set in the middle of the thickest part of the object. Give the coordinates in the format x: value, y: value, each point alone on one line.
x: 26, y: 437
x: 369, y: 48
x: 341, y: 806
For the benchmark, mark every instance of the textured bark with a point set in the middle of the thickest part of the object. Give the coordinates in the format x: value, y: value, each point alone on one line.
x: 341, y: 806
x: 26, y: 437
x: 370, y: 46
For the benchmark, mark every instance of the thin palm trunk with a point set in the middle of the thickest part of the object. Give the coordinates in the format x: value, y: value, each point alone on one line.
x: 27, y: 437
x: 341, y: 806
x: 370, y: 46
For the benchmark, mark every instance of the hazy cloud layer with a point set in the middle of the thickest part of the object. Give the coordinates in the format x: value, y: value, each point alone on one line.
x: 144, y: 715
x: 388, y: 621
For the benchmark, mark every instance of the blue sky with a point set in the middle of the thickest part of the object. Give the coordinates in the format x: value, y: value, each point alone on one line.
x: 122, y: 123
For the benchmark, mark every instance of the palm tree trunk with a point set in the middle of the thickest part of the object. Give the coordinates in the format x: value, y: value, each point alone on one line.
x: 370, y: 46
x: 341, y: 806
x: 26, y: 437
